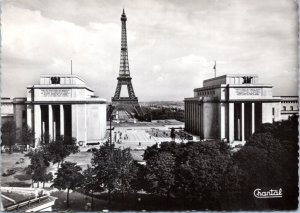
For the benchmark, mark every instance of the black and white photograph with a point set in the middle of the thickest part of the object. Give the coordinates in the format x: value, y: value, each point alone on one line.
x: 149, y: 105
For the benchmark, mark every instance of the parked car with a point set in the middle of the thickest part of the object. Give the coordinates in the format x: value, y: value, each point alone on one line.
x: 4, y: 148
x: 9, y: 172
x: 91, y: 150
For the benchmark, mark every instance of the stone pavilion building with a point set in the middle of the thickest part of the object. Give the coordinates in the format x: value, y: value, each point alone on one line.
x: 231, y: 107
x: 62, y: 105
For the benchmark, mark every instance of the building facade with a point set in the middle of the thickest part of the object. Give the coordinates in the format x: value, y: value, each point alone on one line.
x: 289, y: 106
x: 230, y: 107
x: 14, y: 110
x: 7, y: 110
x: 60, y: 105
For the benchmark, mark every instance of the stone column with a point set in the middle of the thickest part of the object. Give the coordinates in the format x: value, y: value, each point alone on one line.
x: 43, y: 130
x: 243, y: 121
x: 29, y: 115
x: 198, y: 119
x: 222, y: 120
x: 194, y: 118
x: 231, y: 122
x: 190, y: 117
x: 50, y: 122
x: 266, y: 112
x: 54, y: 130
x: 201, y: 120
x: 253, y: 118
x: 62, y: 119
x: 187, y: 119
x: 74, y: 121
x: 37, y: 124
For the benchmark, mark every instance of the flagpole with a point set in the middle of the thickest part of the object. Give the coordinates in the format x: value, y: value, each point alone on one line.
x: 215, y: 68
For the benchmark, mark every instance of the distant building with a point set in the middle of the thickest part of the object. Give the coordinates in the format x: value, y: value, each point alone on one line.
x: 7, y: 110
x: 231, y: 107
x: 14, y: 110
x: 60, y: 105
x: 289, y: 106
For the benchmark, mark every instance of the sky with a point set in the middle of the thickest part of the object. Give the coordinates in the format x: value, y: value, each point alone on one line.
x: 172, y: 44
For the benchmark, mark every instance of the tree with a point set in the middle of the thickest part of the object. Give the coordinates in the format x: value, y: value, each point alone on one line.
x: 61, y: 148
x: 90, y: 183
x: 125, y: 168
x: 8, y: 135
x: 136, y: 178
x: 38, y: 166
x: 112, y: 167
x: 192, y: 172
x: 27, y: 136
x: 68, y: 177
x: 200, y: 172
x: 160, y: 173
x: 269, y: 159
x: 105, y: 168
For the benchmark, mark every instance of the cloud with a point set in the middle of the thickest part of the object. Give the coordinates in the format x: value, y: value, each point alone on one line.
x: 172, y: 45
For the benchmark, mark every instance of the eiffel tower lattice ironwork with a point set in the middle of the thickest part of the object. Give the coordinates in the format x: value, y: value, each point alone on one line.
x: 130, y: 103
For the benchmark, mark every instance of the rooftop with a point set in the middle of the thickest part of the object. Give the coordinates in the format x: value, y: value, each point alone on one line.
x: 231, y: 79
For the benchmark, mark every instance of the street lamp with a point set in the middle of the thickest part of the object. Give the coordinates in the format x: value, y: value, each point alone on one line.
x: 110, y: 128
x: 93, y: 184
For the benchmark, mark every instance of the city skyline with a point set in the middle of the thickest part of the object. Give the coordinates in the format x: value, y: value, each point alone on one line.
x: 172, y: 46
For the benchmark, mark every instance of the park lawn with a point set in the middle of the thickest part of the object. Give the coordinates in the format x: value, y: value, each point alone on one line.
x: 78, y: 202
x: 21, y: 179
x: 8, y: 161
x: 82, y: 159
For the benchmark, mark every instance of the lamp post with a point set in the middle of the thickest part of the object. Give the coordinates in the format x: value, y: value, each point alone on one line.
x: 110, y: 128
x: 93, y: 183
x: 110, y: 115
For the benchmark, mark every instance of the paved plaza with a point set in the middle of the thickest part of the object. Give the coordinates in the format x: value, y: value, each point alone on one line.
x: 136, y: 136
x: 139, y: 136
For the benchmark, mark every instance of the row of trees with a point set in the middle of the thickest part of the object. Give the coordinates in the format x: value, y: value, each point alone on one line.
x: 163, y: 114
x: 206, y: 175
x: 11, y: 135
x: 54, y: 152
x: 269, y: 160
x: 112, y: 170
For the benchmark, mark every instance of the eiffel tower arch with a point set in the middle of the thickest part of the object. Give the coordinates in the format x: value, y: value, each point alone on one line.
x: 128, y: 104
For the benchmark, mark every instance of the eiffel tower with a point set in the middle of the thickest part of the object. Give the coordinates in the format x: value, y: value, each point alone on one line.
x: 129, y: 104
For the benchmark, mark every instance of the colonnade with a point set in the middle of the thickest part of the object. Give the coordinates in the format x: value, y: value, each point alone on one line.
x: 193, y: 116
x: 237, y: 122
x: 234, y: 121
x: 47, y: 121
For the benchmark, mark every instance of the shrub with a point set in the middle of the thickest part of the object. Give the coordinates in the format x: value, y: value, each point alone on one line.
x: 23, y: 177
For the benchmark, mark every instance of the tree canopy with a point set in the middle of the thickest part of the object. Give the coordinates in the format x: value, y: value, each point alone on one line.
x: 8, y: 136
x: 209, y: 175
x: 115, y: 169
x: 38, y: 166
x: 191, y: 171
x: 27, y: 136
x: 59, y: 149
x: 269, y: 160
x: 68, y: 177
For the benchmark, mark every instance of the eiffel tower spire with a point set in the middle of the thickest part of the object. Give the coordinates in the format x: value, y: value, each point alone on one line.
x: 124, y: 65
x: 130, y: 104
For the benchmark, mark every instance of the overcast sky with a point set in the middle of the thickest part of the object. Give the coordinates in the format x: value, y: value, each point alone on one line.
x: 172, y: 44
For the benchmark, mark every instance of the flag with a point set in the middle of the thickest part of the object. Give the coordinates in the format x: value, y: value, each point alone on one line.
x: 215, y: 66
